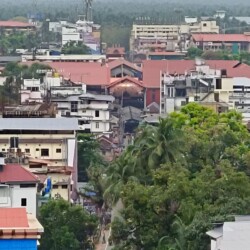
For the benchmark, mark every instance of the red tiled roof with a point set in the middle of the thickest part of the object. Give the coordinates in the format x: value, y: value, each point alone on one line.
x: 115, y: 51
x: 167, y: 53
x: 126, y: 78
x: 118, y: 62
x: 91, y: 73
x: 221, y: 37
x: 152, y: 69
x: 12, y: 173
x: 13, y: 24
x: 13, y: 218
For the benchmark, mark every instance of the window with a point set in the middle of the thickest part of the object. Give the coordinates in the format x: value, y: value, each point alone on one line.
x: 27, y: 185
x: 27, y: 150
x: 58, y: 150
x: 64, y: 186
x: 97, y: 113
x: 44, y: 152
x: 84, y: 111
x: 37, y: 149
x: 55, y: 186
x: 218, y: 83
x: 204, y: 24
x: 97, y: 125
x: 3, y: 149
x: 74, y: 106
x: 23, y: 202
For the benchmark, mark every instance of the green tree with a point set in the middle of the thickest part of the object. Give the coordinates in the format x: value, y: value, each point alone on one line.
x: 76, y: 48
x: 65, y: 226
x: 194, y: 52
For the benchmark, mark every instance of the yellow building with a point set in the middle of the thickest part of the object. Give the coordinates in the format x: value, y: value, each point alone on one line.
x: 46, y: 146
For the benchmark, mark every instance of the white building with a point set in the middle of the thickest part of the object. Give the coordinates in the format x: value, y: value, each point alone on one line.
x: 18, y: 187
x: 92, y: 111
x: 231, y: 235
x: 31, y: 91
x: 204, y: 85
x: 63, y: 58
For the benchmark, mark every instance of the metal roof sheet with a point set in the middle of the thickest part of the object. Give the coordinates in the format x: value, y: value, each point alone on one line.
x: 38, y: 124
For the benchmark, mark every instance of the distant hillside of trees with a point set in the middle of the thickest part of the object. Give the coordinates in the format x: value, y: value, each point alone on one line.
x: 117, y: 16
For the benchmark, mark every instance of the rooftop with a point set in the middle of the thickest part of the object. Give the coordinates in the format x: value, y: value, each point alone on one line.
x: 15, y: 24
x: 38, y: 124
x: 13, y: 218
x: 221, y: 37
x: 152, y: 68
x: 14, y: 173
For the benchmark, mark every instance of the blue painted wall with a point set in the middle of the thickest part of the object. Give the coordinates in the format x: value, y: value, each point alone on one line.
x: 17, y: 244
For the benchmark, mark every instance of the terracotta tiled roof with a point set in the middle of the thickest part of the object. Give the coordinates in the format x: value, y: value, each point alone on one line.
x: 126, y: 78
x: 13, y: 218
x: 13, y: 24
x: 152, y: 69
x: 12, y: 173
x: 115, y: 51
x: 115, y: 63
x: 92, y: 73
x: 221, y: 38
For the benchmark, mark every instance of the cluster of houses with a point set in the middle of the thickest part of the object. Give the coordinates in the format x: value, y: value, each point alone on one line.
x: 108, y: 96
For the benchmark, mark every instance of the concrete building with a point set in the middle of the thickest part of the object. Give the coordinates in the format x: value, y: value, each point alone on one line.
x: 211, y: 89
x: 63, y: 58
x: 158, y: 38
x: 19, y: 230
x: 234, y: 43
x: 45, y: 146
x: 231, y: 235
x: 18, y: 187
x: 9, y: 27
x: 92, y: 111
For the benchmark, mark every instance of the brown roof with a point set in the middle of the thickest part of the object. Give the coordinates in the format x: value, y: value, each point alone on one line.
x: 12, y: 173
x: 126, y: 78
x: 15, y: 24
x: 221, y: 38
x: 13, y: 218
x: 115, y: 51
x: 118, y: 62
x: 152, y: 69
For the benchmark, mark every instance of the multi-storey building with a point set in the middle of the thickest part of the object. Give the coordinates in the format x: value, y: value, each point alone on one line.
x: 45, y: 146
x: 148, y: 38
x: 234, y: 43
x: 9, y: 27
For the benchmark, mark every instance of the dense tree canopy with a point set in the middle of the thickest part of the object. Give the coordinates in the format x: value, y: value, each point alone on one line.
x: 66, y: 227
x: 180, y: 177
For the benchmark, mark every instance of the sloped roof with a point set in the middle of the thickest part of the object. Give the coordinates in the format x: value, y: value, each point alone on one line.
x: 13, y: 218
x: 131, y: 113
x: 115, y: 51
x: 12, y: 173
x: 152, y: 69
x: 12, y: 24
x: 118, y: 62
x: 221, y: 38
x: 126, y: 78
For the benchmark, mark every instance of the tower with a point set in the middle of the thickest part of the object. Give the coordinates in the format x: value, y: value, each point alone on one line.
x: 88, y: 10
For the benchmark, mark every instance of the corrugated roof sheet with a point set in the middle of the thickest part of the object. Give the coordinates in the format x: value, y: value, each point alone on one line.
x: 16, y: 173
x: 38, y: 124
x: 13, y: 218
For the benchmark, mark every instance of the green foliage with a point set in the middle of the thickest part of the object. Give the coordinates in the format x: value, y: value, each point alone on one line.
x: 75, y: 48
x: 15, y: 73
x: 194, y: 52
x: 65, y: 226
x: 178, y: 178
x: 88, y: 155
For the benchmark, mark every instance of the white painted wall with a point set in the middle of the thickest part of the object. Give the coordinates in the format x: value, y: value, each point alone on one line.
x: 18, y: 193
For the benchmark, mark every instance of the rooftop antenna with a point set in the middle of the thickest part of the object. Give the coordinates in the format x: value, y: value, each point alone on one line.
x: 88, y: 10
